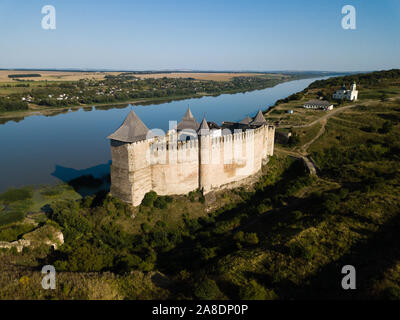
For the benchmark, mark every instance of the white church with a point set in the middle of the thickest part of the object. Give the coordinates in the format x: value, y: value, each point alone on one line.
x: 343, y: 93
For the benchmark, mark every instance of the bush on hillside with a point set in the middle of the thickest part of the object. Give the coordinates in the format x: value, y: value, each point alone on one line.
x: 207, y: 289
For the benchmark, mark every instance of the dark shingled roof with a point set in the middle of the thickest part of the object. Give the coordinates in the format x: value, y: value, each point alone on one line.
x: 132, y: 129
x: 188, y: 122
x: 259, y: 119
x: 213, y: 125
x: 246, y: 120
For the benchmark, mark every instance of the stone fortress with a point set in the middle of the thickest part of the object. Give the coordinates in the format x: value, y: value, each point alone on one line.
x: 190, y: 156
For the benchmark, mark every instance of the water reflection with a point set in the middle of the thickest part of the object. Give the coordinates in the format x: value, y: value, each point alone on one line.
x: 86, y: 181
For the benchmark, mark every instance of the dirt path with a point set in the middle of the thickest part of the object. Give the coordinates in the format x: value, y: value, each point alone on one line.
x: 304, y: 147
x: 326, y: 116
x: 301, y: 152
x: 307, y: 162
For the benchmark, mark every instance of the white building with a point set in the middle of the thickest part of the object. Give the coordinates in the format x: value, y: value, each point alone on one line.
x: 318, y: 104
x: 343, y: 93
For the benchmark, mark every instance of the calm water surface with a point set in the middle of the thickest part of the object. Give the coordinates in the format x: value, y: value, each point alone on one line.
x: 49, y: 149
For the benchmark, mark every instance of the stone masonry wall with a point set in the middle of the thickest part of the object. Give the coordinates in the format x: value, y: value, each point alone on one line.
x: 208, y: 163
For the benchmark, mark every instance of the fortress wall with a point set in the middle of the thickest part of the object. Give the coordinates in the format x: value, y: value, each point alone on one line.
x: 176, y: 168
x: 169, y: 167
x: 231, y: 158
x: 120, y: 186
x: 139, y: 170
x: 265, y: 143
x: 270, y: 140
x: 130, y: 171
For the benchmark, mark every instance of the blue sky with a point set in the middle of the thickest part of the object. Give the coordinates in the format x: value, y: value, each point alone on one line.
x: 201, y: 35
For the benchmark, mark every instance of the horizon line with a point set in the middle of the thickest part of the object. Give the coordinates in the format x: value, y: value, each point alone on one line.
x: 184, y: 70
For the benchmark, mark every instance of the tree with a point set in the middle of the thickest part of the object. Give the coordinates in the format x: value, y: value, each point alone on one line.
x: 294, y: 139
x: 207, y: 289
x: 255, y: 291
x: 149, y: 199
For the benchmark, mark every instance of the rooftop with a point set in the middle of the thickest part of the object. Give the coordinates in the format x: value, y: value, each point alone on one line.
x: 188, y: 122
x: 132, y: 129
x: 259, y: 119
x: 246, y: 120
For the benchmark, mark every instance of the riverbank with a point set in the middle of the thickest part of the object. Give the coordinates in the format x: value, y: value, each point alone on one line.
x: 38, y: 110
x: 122, y: 88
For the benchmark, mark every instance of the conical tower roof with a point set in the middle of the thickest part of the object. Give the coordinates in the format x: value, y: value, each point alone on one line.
x: 246, y: 120
x: 204, y: 128
x: 132, y: 129
x: 259, y: 119
x: 188, y: 122
x: 188, y: 115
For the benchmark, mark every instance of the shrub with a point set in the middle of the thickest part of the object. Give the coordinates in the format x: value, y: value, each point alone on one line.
x: 391, y: 293
x: 161, y: 224
x: 111, y: 208
x: 251, y: 238
x: 87, y: 201
x: 255, y: 291
x: 248, y: 238
x: 127, y: 263
x: 294, y: 140
x: 13, y: 195
x: 160, y: 203
x: 85, y: 258
x: 149, y: 199
x: 297, y: 214
x: 262, y: 208
x: 145, y: 227
x: 386, y: 127
x: 208, y: 253
x: 207, y: 289
x: 192, y: 196
x: 299, y: 250
x: 370, y: 128
x: 239, y: 236
x: 202, y: 199
x: 13, y: 232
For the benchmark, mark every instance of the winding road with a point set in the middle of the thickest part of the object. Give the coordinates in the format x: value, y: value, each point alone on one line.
x: 301, y: 152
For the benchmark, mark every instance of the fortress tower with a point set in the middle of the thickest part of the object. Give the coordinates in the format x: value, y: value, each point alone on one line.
x: 192, y: 156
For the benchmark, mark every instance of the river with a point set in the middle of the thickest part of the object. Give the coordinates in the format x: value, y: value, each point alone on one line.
x: 48, y: 149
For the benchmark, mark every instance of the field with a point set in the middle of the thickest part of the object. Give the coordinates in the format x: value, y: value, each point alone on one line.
x: 76, y: 76
x: 54, y: 75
